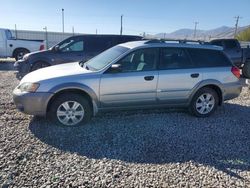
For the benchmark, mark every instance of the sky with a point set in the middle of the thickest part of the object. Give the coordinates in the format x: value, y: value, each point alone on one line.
x: 87, y: 16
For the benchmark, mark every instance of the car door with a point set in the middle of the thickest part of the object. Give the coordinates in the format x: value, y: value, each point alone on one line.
x: 177, y: 76
x: 135, y: 83
x: 71, y: 50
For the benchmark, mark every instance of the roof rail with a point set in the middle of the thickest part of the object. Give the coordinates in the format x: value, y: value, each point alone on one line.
x: 184, y: 41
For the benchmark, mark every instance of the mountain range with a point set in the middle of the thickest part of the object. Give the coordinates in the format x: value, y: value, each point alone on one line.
x: 220, y: 32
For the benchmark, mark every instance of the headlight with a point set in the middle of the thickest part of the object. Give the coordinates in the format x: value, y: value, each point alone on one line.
x: 28, y: 87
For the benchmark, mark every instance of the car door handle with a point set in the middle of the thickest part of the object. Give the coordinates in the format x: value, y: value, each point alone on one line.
x: 148, y: 78
x: 195, y: 75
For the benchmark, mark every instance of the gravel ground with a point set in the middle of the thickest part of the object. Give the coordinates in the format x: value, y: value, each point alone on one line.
x: 143, y: 148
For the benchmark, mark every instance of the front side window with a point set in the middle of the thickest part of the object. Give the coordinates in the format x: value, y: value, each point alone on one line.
x: 71, y: 46
x: 140, y: 60
x: 174, y: 58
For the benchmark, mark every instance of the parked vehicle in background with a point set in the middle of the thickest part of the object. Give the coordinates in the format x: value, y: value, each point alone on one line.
x: 17, y: 48
x: 141, y: 74
x: 75, y: 48
x: 240, y: 56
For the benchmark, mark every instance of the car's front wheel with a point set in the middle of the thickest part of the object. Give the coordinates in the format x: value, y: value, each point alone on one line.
x: 204, y: 102
x: 70, y: 110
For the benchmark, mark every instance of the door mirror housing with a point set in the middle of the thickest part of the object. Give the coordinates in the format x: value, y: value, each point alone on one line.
x: 115, y: 68
x: 56, y: 48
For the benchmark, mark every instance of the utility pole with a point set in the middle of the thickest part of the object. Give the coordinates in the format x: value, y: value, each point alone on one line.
x: 46, y: 36
x: 63, y: 20
x: 121, y: 24
x: 195, y: 28
x: 164, y: 36
x: 73, y: 30
x: 96, y: 31
x: 15, y: 31
x: 236, y: 25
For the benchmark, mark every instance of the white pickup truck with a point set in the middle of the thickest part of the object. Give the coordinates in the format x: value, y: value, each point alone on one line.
x: 17, y: 48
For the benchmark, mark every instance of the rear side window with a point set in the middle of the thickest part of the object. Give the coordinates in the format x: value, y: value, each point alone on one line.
x: 98, y: 44
x: 230, y: 44
x: 208, y: 58
x: 174, y: 58
x: 217, y: 43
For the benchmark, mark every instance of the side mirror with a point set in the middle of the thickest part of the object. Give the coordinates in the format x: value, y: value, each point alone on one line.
x: 56, y: 48
x: 115, y: 68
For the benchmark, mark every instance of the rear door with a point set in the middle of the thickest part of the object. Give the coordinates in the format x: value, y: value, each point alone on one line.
x: 177, y: 76
x: 136, y: 84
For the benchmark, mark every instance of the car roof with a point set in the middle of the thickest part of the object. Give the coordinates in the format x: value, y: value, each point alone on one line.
x: 176, y: 44
x: 107, y: 35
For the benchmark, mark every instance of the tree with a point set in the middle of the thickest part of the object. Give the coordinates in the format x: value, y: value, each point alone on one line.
x: 244, y: 35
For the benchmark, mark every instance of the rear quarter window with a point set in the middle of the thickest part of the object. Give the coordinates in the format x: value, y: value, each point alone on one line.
x: 209, y: 58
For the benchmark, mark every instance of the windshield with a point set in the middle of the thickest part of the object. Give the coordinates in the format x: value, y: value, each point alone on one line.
x: 106, y: 57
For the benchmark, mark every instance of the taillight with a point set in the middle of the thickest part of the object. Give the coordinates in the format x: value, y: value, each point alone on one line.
x: 41, y: 47
x: 235, y: 71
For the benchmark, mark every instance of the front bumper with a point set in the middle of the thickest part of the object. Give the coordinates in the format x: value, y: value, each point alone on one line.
x: 32, y: 103
x: 23, y: 68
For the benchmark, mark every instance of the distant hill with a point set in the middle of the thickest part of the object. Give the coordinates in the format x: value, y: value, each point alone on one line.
x: 220, y: 32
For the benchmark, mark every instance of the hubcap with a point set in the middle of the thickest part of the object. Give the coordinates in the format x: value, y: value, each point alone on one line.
x: 205, y: 103
x: 70, y: 113
x: 20, y: 55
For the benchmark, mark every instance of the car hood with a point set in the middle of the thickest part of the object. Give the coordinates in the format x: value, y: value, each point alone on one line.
x: 68, y: 69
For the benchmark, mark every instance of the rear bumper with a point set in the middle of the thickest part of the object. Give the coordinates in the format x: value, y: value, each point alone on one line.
x: 232, y: 90
x: 32, y: 103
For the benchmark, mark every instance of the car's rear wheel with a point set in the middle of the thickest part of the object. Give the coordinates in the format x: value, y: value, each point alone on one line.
x: 39, y: 65
x: 19, y: 53
x: 70, y: 110
x: 204, y: 102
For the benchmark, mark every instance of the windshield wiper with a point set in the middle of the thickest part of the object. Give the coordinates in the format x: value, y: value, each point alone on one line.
x: 83, y: 64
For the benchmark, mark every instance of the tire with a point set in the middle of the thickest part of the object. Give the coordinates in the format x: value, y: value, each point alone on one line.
x: 67, y: 117
x: 200, y: 108
x: 19, y: 53
x: 246, y: 69
x: 39, y: 65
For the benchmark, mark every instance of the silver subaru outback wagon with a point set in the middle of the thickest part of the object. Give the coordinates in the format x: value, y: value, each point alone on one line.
x: 131, y: 75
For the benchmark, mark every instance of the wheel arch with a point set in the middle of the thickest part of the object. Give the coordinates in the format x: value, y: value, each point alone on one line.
x: 74, y: 88
x: 213, y: 84
x: 19, y: 48
x: 37, y: 61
